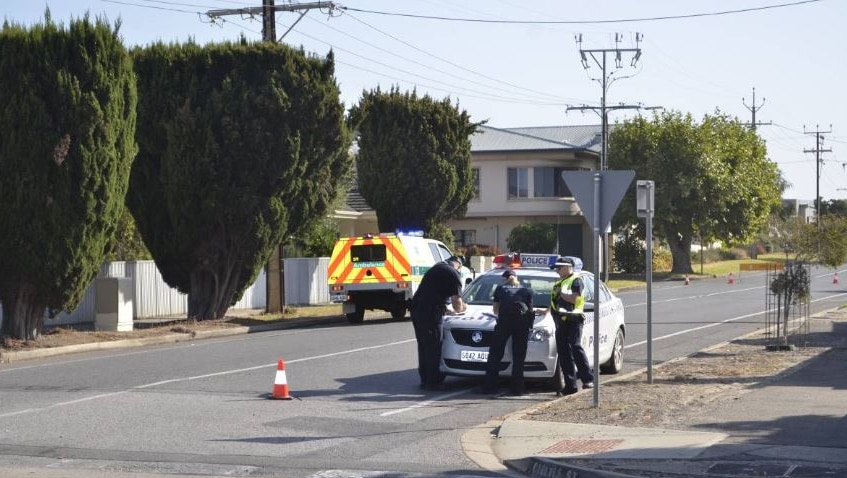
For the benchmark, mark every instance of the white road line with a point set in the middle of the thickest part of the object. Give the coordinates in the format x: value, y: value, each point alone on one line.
x: 198, y: 377
x: 712, y: 294
x: 690, y: 297
x: 715, y: 324
x: 425, y: 403
x: 172, y: 346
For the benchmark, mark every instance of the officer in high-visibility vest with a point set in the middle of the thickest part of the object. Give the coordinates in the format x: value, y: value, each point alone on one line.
x: 566, y: 303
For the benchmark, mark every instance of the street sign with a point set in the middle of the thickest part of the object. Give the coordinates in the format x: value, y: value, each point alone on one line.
x: 612, y: 185
x: 644, y: 198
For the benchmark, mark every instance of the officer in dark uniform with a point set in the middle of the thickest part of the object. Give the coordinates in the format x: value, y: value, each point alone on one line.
x: 440, y: 283
x: 515, y: 316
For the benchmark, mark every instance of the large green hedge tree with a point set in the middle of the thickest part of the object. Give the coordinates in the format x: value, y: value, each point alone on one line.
x: 67, y: 141
x: 712, y: 179
x: 414, y: 160
x: 241, y: 145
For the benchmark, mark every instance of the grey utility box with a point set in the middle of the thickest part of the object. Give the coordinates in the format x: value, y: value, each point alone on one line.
x: 113, y: 304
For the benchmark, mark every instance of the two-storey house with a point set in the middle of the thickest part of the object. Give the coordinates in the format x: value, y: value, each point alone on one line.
x: 517, y: 180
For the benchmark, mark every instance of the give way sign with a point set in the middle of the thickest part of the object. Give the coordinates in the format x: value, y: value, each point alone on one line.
x: 608, y: 187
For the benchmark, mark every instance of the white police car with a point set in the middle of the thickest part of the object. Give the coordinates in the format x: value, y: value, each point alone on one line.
x: 467, y: 336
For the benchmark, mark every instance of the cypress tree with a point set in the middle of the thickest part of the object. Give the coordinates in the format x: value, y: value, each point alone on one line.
x: 67, y: 127
x: 413, y: 150
x: 241, y: 145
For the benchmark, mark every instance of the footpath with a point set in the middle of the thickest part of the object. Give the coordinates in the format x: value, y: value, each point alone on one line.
x: 794, y: 426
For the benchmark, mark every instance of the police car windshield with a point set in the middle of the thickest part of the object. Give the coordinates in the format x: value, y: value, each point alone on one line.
x: 481, y: 291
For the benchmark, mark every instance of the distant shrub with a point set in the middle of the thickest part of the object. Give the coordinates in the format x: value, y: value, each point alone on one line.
x: 709, y: 255
x: 732, y: 254
x: 662, y: 260
x: 629, y: 254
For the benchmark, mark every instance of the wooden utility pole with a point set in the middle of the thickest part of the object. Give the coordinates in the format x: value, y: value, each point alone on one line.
x: 268, y: 12
x: 818, y: 150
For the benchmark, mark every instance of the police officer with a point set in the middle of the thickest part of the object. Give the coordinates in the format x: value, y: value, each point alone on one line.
x: 515, y: 316
x: 439, y: 284
x: 567, y: 305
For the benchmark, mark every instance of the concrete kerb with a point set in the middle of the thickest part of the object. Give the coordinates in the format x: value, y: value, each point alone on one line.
x: 543, y: 467
x: 540, y: 467
x: 21, y: 355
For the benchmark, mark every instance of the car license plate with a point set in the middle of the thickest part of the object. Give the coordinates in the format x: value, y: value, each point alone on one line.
x: 473, y: 356
x: 338, y: 297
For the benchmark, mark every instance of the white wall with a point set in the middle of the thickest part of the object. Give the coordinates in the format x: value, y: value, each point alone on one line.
x: 152, y: 297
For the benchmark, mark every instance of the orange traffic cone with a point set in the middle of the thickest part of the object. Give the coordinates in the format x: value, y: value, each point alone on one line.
x: 687, y: 282
x: 280, y: 383
x: 835, y: 278
x: 731, y: 279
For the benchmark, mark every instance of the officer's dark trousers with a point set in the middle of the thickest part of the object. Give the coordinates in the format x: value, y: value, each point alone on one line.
x: 427, y: 323
x: 572, y: 356
x: 516, y: 328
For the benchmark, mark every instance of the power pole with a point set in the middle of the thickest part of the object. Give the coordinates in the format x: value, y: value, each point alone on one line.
x: 753, y: 109
x: 818, y: 161
x: 599, y: 56
x: 268, y: 12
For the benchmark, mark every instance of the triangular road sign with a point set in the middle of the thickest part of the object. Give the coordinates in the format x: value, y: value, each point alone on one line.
x: 613, y: 186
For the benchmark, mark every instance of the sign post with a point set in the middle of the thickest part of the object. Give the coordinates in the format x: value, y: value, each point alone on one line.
x: 598, y: 194
x: 644, y: 208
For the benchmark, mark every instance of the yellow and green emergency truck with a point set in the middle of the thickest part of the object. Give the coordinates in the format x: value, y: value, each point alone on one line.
x: 382, y: 271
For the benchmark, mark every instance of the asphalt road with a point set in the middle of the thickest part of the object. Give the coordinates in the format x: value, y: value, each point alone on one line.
x: 202, y: 408
x: 686, y: 319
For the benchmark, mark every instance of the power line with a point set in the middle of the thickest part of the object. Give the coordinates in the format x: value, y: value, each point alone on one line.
x: 429, y: 67
x: 151, y: 6
x: 453, y: 64
x: 453, y: 86
x: 582, y: 22
x: 450, y: 91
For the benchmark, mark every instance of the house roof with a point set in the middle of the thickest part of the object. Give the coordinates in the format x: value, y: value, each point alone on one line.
x: 356, y: 202
x: 539, y: 138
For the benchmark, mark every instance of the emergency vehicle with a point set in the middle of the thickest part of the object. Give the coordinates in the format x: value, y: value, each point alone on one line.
x: 382, y: 271
x: 468, y: 335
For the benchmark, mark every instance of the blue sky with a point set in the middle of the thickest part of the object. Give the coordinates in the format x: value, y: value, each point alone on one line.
x: 527, y: 74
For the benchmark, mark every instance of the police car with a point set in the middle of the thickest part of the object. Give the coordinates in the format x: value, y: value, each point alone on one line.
x: 468, y: 335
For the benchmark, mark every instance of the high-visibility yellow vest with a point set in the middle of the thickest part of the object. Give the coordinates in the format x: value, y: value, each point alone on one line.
x: 565, y: 284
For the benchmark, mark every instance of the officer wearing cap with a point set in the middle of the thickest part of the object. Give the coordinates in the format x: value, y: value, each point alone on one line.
x: 515, y: 316
x: 567, y: 305
x: 442, y: 282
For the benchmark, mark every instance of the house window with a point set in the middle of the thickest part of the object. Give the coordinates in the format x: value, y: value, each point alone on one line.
x: 464, y: 237
x: 548, y: 182
x: 475, y: 181
x: 518, y: 182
